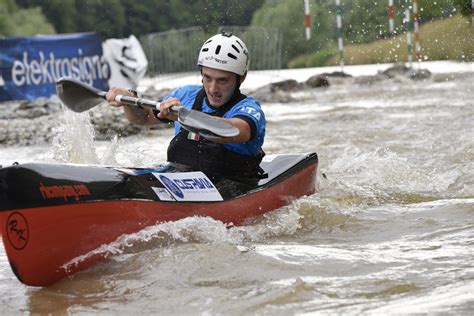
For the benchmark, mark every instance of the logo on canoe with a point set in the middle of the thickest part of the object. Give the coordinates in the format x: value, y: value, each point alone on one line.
x: 17, y: 231
x: 64, y: 191
x: 189, y: 186
x: 172, y: 186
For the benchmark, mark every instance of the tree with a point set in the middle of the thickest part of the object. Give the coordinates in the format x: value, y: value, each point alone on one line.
x: 119, y: 18
x: 430, y: 10
x: 12, y: 20
x: 288, y: 16
x: 464, y: 6
x: 107, y: 17
x: 61, y: 13
x: 365, y: 21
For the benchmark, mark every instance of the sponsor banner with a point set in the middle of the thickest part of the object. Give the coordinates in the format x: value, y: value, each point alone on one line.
x: 189, y: 186
x: 30, y: 66
x: 127, y: 61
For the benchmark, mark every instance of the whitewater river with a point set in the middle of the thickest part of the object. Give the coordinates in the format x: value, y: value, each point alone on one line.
x: 391, y: 230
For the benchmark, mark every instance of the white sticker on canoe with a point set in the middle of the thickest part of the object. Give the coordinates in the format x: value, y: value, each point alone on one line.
x: 163, y: 194
x: 189, y: 186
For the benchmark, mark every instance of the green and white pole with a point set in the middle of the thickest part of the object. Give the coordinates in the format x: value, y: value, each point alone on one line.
x: 340, y: 43
x: 409, y: 30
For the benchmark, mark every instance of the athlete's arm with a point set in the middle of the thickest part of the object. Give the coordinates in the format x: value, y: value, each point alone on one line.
x: 135, y: 115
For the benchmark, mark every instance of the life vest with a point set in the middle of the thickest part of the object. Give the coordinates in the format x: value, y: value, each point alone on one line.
x: 214, y: 159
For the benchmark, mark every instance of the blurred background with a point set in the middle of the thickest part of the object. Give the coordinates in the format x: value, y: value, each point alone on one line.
x: 171, y: 32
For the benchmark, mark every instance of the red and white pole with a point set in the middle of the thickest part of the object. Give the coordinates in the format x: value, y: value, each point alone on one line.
x: 391, y: 16
x: 416, y: 31
x: 306, y: 14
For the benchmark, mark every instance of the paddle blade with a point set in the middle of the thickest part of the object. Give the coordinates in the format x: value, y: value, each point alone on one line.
x: 78, y: 96
x: 205, y: 124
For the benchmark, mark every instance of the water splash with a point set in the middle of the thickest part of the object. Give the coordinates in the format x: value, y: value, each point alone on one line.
x: 383, y: 174
x: 301, y: 216
x: 108, y: 156
x: 73, y: 140
x: 283, y: 222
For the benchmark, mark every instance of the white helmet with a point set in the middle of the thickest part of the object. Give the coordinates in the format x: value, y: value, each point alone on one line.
x: 225, y: 52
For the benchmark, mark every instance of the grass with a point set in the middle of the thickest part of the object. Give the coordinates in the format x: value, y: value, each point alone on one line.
x: 447, y: 39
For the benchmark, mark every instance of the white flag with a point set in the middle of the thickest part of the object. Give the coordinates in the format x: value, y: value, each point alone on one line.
x: 127, y: 61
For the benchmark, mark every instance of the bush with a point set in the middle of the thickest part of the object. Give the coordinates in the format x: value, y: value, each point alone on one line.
x: 312, y: 60
x: 22, y: 22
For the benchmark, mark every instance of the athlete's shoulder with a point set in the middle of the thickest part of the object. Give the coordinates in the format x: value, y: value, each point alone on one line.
x: 248, y: 102
x: 249, y: 108
x: 184, y: 92
x: 251, y: 101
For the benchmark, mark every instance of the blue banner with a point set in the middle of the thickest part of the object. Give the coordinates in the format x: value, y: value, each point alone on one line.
x: 30, y: 66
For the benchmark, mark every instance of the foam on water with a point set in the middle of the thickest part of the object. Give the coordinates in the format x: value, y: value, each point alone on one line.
x: 383, y: 174
x: 284, y: 222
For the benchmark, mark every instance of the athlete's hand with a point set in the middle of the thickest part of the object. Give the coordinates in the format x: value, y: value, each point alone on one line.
x: 115, y: 91
x: 165, y: 106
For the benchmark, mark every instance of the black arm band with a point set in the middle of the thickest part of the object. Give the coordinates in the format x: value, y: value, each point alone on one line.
x: 253, y: 126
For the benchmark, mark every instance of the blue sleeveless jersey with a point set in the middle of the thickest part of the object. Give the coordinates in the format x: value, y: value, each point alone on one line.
x: 248, y: 107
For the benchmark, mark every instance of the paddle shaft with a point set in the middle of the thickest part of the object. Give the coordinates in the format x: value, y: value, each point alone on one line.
x: 141, y: 103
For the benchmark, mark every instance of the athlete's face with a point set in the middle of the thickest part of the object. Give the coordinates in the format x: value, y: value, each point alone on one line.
x: 219, y: 85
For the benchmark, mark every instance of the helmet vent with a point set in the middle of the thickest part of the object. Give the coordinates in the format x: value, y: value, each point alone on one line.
x: 239, y: 44
x: 232, y: 56
x: 208, y: 41
x: 205, y: 49
x: 218, y: 49
x: 236, y: 49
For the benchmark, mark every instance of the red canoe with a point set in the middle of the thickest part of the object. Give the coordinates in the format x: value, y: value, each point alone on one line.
x: 53, y: 214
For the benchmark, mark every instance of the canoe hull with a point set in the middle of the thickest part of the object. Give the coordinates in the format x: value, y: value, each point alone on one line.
x: 42, y: 242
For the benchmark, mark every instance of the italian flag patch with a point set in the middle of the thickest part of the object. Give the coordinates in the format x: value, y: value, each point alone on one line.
x: 193, y: 136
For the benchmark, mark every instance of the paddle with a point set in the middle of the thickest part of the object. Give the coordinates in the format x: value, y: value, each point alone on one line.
x: 80, y: 97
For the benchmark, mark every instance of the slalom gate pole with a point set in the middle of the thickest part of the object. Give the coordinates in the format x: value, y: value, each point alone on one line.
x: 391, y: 16
x: 409, y: 27
x: 306, y: 14
x: 416, y: 31
x: 340, y: 43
